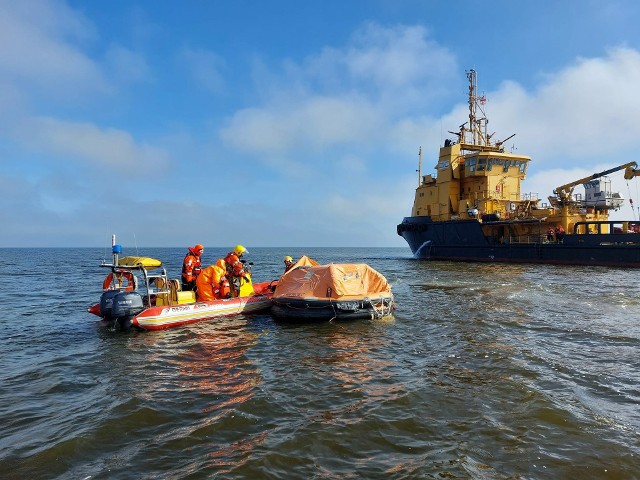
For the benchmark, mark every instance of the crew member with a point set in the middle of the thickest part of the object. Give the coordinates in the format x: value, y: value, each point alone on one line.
x: 559, y: 233
x: 212, y: 283
x: 235, y: 268
x: 288, y: 263
x: 550, y: 234
x: 191, y: 267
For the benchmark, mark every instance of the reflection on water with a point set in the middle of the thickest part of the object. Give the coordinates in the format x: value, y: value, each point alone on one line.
x: 484, y: 371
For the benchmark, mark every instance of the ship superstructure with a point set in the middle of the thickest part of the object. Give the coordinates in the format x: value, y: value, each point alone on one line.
x: 473, y: 208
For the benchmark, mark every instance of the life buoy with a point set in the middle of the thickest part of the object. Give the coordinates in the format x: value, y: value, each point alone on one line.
x: 121, y: 276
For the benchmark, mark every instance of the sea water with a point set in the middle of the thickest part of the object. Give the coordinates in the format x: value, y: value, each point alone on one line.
x: 484, y: 371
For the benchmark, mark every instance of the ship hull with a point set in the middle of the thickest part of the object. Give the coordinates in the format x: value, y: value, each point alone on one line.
x: 464, y: 240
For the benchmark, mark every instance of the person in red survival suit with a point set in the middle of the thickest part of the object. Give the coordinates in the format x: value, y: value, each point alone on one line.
x: 191, y: 267
x: 235, y: 268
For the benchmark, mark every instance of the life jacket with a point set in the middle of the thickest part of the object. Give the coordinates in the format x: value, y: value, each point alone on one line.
x: 191, y: 266
x: 234, y: 265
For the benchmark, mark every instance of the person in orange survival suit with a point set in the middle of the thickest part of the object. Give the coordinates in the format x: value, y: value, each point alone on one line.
x: 212, y: 283
x: 191, y: 267
x: 234, y: 265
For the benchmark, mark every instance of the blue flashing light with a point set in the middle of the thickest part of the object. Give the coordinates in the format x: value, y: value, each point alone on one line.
x: 116, y: 249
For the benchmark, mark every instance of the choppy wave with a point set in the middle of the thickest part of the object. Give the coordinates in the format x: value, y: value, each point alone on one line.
x: 484, y: 371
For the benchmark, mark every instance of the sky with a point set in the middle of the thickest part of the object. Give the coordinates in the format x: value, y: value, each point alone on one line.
x: 291, y: 124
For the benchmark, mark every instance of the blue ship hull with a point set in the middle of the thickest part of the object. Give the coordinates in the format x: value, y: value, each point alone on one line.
x: 465, y: 240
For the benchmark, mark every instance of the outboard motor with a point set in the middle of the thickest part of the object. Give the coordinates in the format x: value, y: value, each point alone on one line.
x: 106, y: 303
x: 126, y: 305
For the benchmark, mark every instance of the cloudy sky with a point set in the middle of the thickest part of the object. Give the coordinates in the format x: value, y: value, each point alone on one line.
x: 290, y: 123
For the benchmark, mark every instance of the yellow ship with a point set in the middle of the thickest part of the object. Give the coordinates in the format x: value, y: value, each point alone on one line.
x: 473, y: 207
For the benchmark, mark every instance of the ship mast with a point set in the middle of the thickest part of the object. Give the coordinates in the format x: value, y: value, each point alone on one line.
x: 420, y: 166
x: 479, y: 139
x: 477, y: 125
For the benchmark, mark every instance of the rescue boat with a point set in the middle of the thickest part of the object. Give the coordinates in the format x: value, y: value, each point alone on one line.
x: 313, y: 292
x: 134, y: 296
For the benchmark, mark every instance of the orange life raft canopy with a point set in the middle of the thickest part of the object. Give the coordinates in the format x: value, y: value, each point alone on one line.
x: 335, y: 281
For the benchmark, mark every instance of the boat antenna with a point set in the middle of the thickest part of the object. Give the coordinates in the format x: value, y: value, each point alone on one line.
x: 115, y: 249
x: 419, y: 165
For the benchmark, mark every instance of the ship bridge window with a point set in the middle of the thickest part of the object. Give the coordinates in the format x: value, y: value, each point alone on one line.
x: 472, y: 164
x: 443, y: 164
x: 499, y: 161
x: 523, y: 167
x: 482, y: 162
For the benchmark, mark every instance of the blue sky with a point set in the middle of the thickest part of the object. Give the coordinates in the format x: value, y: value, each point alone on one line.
x: 289, y: 123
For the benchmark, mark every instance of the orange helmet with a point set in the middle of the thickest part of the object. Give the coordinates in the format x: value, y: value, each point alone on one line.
x: 198, y: 248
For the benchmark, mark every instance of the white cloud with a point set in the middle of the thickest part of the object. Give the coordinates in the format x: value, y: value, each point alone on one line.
x: 584, y: 111
x: 314, y: 123
x: 397, y: 58
x: 106, y: 147
x: 351, y: 97
x: 36, y: 48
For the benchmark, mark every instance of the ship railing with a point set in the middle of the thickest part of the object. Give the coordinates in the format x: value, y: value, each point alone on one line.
x: 527, y: 239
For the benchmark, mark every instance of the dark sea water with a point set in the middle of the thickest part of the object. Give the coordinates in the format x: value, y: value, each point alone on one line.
x: 484, y: 372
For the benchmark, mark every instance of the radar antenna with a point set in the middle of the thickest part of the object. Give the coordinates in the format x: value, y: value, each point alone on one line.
x: 478, y: 126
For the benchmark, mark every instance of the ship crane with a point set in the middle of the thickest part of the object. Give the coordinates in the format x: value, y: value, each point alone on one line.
x: 564, y: 193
